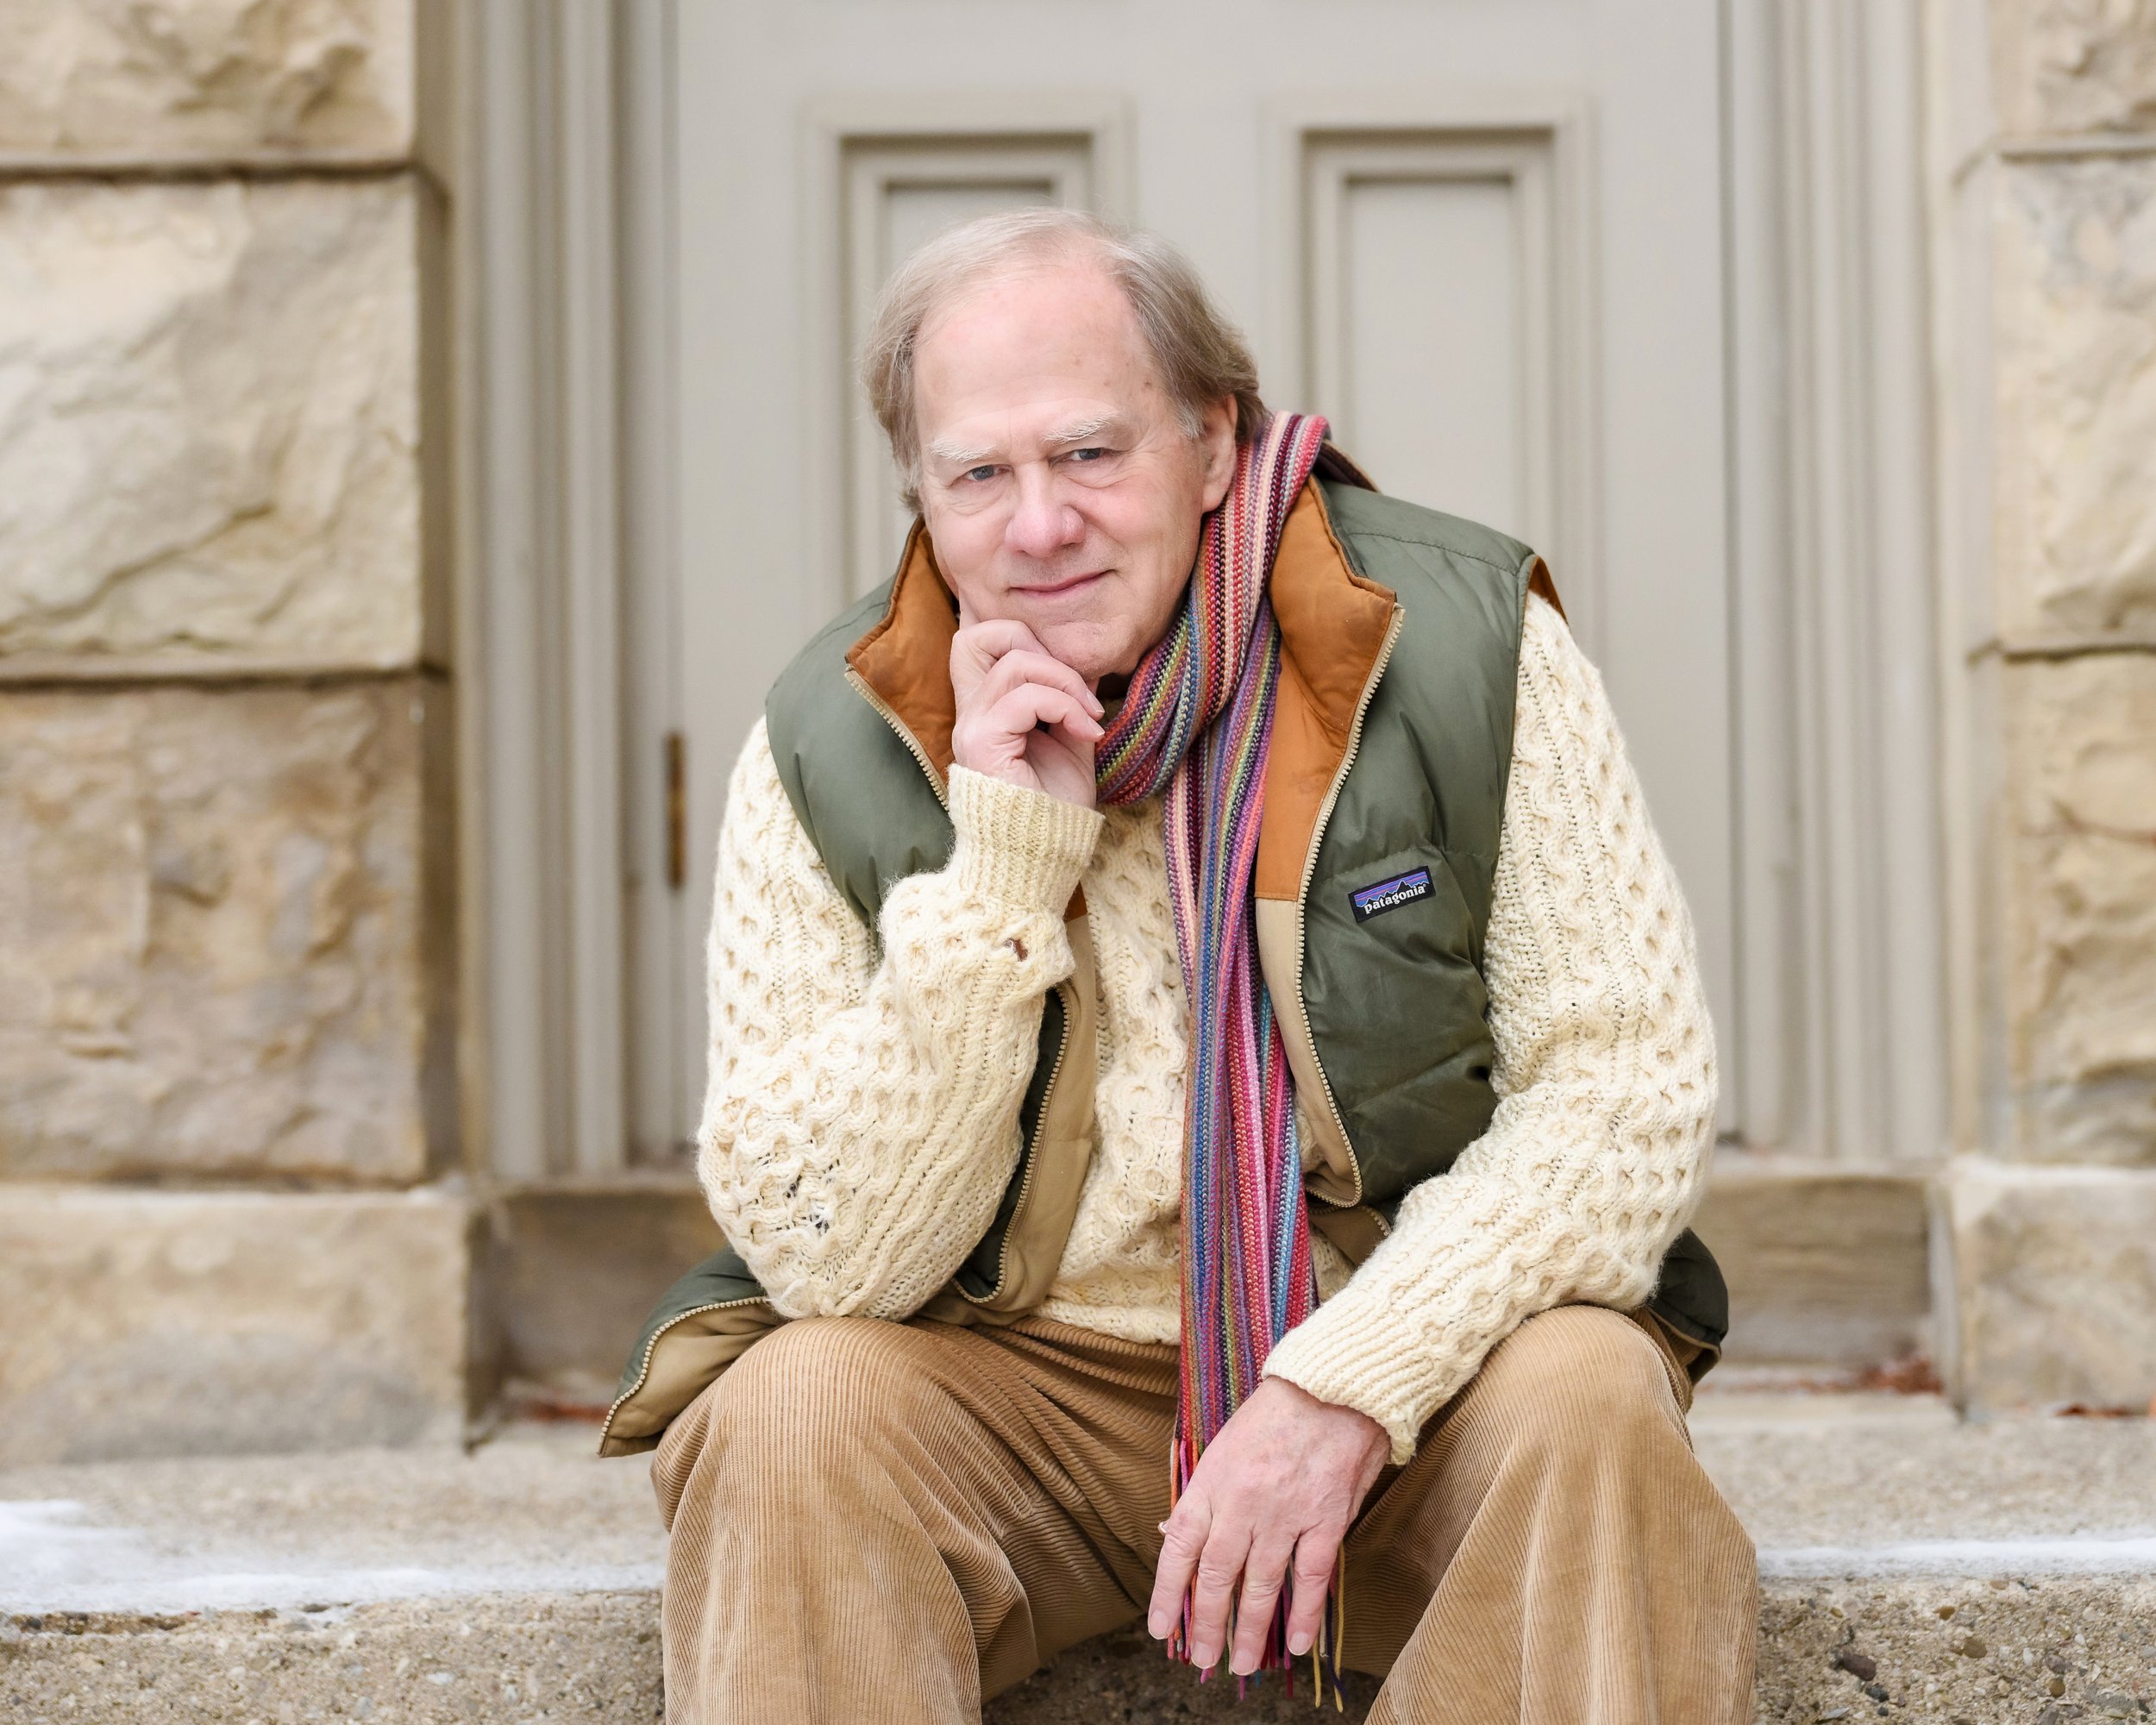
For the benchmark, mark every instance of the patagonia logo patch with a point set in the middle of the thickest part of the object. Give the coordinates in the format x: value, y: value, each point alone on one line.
x: 1390, y: 895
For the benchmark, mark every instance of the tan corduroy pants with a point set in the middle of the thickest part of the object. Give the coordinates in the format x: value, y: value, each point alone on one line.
x: 885, y: 1522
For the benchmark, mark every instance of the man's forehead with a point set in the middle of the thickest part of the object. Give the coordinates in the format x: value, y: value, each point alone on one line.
x: 1036, y: 338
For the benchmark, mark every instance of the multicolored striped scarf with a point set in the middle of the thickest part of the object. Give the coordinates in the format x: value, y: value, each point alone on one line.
x: 1197, y: 723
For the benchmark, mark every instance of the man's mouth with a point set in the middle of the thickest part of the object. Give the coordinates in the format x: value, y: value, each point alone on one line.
x: 1063, y: 588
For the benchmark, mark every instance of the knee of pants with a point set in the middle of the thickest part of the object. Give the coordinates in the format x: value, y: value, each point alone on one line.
x: 813, y: 1400
x: 1577, y: 1383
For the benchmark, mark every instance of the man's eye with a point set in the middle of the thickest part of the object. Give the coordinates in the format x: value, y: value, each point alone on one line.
x: 1093, y: 452
x: 983, y: 474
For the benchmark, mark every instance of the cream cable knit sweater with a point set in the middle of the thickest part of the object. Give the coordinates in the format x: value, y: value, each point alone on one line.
x: 862, y: 1117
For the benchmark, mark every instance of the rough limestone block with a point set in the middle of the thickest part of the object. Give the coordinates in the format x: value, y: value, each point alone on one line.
x: 173, y: 1323
x: 573, y: 1272
x: 2081, y: 1033
x: 2074, y: 65
x: 193, y: 78
x: 209, y: 424
x: 2054, y: 1276
x: 2083, y: 737
x: 2076, y: 509
x: 2082, y: 1009
x: 223, y: 942
x: 1825, y: 1265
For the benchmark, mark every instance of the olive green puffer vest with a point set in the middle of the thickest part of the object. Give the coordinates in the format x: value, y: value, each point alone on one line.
x: 1384, y: 797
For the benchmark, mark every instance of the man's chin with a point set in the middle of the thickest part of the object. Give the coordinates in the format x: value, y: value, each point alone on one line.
x: 1090, y: 649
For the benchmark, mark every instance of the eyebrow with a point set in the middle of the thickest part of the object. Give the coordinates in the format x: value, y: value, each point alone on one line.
x: 1076, y: 432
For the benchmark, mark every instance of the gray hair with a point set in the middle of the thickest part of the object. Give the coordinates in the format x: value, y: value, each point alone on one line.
x: 1201, y: 356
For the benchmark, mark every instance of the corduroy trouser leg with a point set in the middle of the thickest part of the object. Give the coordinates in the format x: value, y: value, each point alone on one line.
x: 892, y: 1521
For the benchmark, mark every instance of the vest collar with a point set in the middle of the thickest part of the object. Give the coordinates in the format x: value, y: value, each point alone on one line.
x: 1334, y: 625
x: 905, y: 659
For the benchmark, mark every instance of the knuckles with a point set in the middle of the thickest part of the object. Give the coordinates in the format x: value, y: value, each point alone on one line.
x: 1214, y: 1572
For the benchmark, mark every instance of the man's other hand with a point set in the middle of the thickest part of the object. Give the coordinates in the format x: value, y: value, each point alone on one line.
x: 1023, y: 716
x: 1278, y: 1486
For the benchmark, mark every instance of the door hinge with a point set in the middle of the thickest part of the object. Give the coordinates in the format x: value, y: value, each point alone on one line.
x: 677, y: 811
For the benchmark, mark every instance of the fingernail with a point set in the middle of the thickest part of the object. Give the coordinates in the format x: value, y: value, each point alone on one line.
x: 1157, y: 1626
x: 1299, y: 1644
x: 1245, y: 1665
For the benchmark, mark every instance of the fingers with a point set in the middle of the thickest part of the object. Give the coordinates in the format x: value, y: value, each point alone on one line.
x: 978, y: 645
x: 1263, y: 1572
x: 1204, y: 1557
x: 1315, y: 1554
x: 1031, y: 704
x: 1184, y: 1539
x: 1010, y: 691
x: 1212, y: 1591
x: 1023, y: 665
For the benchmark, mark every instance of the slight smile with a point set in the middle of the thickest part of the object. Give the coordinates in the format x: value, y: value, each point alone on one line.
x: 1053, y: 590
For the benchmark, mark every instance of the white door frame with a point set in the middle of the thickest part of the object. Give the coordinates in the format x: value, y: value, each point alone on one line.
x: 567, y: 493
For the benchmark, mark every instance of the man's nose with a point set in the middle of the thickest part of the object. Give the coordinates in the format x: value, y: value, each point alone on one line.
x: 1043, y: 523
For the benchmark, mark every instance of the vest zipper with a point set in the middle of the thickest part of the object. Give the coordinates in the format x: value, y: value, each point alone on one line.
x: 1310, y: 868
x: 643, y: 1366
x: 1069, y: 995
x: 1033, y: 1149
x: 892, y: 718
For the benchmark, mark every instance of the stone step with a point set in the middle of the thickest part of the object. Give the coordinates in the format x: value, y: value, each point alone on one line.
x: 1912, y: 1566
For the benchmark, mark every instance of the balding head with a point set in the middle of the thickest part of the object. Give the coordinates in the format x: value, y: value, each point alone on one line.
x: 1197, y: 354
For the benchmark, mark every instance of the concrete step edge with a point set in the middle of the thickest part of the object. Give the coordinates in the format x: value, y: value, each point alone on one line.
x: 1985, y: 1651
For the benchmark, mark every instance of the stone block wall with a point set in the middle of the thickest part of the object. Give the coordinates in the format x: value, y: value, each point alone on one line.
x: 229, y: 1209
x: 2049, y: 1235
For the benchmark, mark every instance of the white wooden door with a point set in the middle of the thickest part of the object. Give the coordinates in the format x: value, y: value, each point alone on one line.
x: 1483, y: 237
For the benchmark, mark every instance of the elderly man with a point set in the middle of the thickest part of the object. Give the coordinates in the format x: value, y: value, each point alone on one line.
x: 1209, y: 1078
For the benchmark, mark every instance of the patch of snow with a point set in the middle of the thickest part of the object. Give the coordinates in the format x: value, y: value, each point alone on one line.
x: 53, y: 1559
x: 45, y: 1543
x: 2081, y: 1555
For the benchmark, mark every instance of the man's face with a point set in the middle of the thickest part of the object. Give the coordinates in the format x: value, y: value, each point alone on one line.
x: 1056, y: 478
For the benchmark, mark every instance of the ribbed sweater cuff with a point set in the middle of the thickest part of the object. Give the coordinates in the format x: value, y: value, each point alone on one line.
x: 1016, y: 846
x: 1355, y: 1363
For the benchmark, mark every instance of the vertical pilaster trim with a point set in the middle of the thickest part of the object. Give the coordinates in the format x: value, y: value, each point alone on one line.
x: 1964, y: 178
x: 665, y: 989
x: 513, y: 1094
x: 1766, y: 1038
x: 1911, y: 1047
x: 1844, y: 1003
x: 540, y: 653
x: 587, y: 262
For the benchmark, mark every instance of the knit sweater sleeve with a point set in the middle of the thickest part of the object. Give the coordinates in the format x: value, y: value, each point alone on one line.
x: 1604, y: 1068
x: 861, y: 1115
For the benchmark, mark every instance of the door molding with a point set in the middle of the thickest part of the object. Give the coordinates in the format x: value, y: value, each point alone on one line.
x: 1841, y: 1045
x: 1539, y: 145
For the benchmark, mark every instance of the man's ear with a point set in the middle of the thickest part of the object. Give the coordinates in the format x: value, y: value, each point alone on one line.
x: 1216, y: 443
